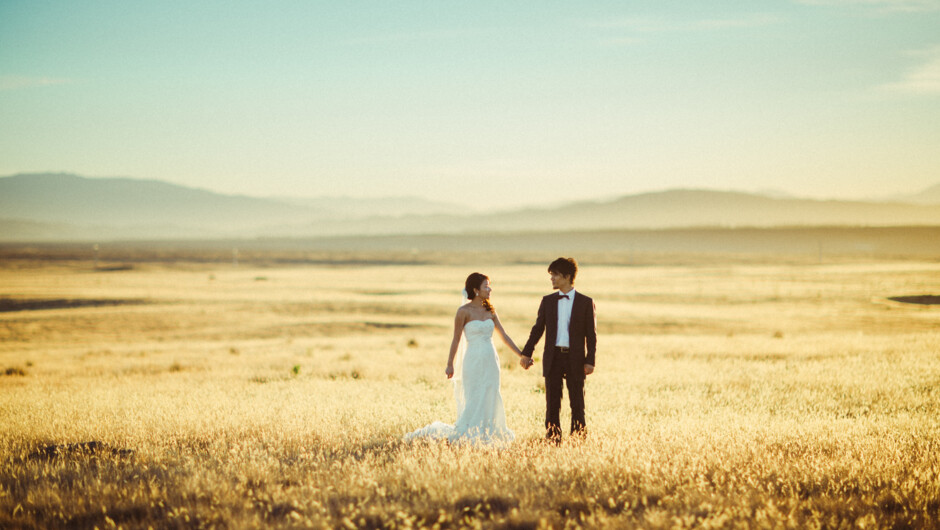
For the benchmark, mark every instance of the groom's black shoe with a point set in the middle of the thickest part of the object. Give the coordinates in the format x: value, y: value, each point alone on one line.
x: 553, y: 435
x: 579, y: 435
x: 578, y: 430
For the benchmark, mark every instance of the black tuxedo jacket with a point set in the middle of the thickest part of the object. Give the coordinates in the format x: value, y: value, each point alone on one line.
x: 582, y: 333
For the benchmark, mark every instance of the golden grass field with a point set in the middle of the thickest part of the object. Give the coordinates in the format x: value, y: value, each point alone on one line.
x: 774, y: 393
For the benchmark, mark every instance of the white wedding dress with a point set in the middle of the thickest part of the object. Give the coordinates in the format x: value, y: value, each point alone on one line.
x: 480, y: 414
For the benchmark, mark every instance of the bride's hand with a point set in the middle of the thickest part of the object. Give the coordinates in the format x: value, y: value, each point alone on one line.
x: 449, y: 371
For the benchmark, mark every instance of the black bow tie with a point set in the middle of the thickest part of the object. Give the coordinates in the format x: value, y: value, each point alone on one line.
x: 560, y: 296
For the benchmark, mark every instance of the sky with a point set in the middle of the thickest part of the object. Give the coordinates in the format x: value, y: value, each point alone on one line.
x: 488, y: 104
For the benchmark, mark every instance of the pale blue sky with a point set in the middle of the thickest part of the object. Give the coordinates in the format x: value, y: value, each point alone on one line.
x: 487, y: 103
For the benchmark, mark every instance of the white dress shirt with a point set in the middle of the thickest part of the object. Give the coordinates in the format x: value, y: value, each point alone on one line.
x: 564, y: 319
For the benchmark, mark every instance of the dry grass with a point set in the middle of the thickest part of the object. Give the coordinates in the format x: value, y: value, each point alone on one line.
x: 758, y: 395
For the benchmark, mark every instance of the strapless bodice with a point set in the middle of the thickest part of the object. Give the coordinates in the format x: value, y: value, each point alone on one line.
x: 479, y: 330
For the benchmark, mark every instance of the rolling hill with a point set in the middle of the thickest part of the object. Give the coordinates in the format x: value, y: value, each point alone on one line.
x: 122, y: 202
x: 63, y: 207
x: 930, y: 195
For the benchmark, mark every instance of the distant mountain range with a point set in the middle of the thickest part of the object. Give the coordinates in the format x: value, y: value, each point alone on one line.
x: 350, y: 207
x: 65, y: 207
x: 930, y: 195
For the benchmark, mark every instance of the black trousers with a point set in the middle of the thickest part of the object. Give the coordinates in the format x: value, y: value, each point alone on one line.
x: 557, y: 376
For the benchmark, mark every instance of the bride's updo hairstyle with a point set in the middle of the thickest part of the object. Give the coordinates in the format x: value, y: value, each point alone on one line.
x: 474, y: 281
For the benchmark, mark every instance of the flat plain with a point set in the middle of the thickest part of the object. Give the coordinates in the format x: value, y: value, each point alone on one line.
x: 768, y: 392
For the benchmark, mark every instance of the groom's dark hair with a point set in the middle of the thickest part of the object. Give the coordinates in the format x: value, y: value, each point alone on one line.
x: 567, y: 267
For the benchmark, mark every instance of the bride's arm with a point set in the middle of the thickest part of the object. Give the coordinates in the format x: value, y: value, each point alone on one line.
x: 459, y: 320
x: 502, y: 333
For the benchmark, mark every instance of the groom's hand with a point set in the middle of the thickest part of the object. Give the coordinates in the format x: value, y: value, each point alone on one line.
x: 588, y: 369
x: 526, y: 362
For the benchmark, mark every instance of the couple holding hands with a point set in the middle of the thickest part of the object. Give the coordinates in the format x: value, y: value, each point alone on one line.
x: 566, y: 318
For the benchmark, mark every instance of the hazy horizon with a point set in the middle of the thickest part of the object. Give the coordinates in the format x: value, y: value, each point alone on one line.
x: 417, y: 196
x: 491, y: 105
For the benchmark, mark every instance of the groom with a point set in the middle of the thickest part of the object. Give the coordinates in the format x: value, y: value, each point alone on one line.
x: 570, y: 325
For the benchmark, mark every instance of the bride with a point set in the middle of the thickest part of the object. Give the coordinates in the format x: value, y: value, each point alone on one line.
x: 480, y: 413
